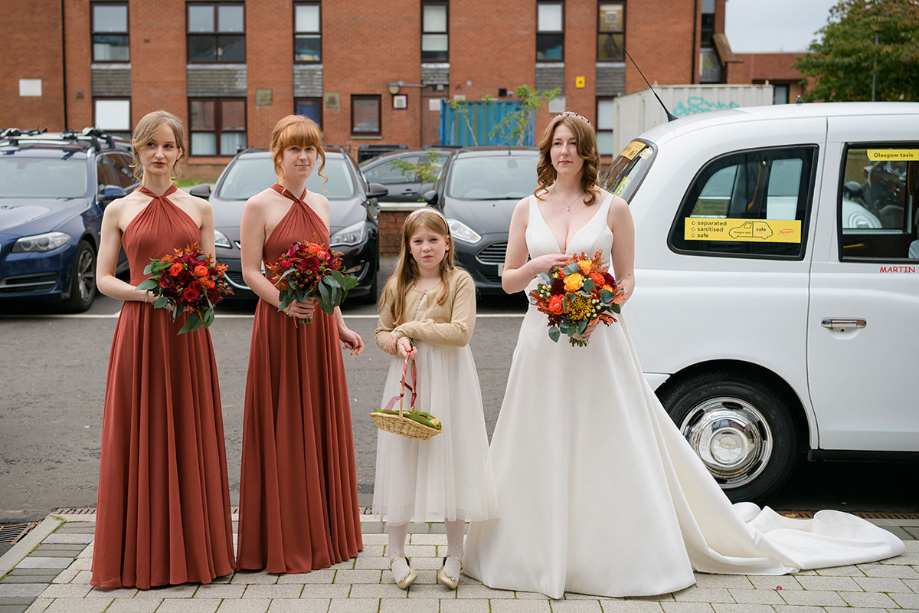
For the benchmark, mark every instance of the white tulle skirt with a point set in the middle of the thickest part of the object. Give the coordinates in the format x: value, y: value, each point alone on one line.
x: 449, y: 476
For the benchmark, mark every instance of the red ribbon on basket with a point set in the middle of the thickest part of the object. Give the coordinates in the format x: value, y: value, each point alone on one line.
x: 405, y: 386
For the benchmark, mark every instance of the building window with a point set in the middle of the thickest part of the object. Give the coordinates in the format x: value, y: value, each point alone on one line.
x: 550, y: 32
x: 708, y: 23
x: 780, y: 93
x: 307, y: 33
x: 218, y: 125
x: 435, y: 44
x: 605, y: 125
x: 113, y: 116
x: 309, y: 107
x: 110, y: 32
x: 365, y: 116
x: 611, y: 32
x: 216, y: 32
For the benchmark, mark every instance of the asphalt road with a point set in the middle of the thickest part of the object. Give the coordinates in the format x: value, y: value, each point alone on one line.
x: 52, y: 378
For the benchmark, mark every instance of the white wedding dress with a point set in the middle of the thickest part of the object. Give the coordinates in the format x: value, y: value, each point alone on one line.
x: 599, y: 493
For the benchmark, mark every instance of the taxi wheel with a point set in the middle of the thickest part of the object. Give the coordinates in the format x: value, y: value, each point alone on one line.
x: 739, y: 427
x: 82, y: 279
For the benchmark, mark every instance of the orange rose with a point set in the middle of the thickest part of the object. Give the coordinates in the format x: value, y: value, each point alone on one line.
x: 585, y: 266
x: 573, y: 282
x: 607, y: 288
x: 201, y: 271
x: 321, y: 254
x: 555, y: 305
x: 598, y: 279
x: 175, y: 269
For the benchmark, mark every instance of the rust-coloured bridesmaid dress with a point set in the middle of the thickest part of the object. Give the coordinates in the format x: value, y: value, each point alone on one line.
x: 298, y: 491
x: 163, y: 513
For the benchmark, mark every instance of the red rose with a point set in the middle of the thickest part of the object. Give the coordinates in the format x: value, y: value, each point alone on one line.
x: 609, y: 279
x: 191, y: 294
x: 555, y: 305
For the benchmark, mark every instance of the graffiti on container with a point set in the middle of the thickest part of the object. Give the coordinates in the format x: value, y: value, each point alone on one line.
x: 698, y: 104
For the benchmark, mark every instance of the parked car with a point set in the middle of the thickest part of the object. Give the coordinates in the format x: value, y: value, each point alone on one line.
x: 404, y: 186
x: 53, y: 189
x: 477, y: 191
x: 354, y: 214
x: 775, y: 315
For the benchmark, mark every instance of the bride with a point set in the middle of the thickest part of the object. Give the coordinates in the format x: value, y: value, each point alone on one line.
x: 599, y: 492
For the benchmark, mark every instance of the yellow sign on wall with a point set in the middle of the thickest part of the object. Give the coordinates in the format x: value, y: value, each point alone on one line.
x: 898, y: 155
x: 579, y: 82
x: 742, y: 230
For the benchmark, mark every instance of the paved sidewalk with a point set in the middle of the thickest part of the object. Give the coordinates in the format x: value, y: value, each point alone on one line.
x: 48, y: 572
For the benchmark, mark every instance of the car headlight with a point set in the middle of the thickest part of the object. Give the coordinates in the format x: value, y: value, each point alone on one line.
x: 352, y: 235
x: 221, y: 240
x: 41, y: 242
x: 462, y: 232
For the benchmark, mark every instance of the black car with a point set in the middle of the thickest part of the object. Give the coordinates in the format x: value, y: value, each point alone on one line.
x: 53, y: 188
x: 354, y: 213
x: 405, y: 186
x: 477, y: 192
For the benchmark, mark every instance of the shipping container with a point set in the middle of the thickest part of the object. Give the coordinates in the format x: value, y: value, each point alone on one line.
x: 639, y: 111
x: 484, y: 117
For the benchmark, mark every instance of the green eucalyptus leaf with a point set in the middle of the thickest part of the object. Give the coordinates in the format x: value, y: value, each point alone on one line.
x: 161, y: 303
x: 588, y: 285
x: 554, y: 333
x: 191, y: 324
x: 148, y: 284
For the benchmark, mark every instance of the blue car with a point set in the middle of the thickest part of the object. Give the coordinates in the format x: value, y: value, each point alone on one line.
x: 53, y: 189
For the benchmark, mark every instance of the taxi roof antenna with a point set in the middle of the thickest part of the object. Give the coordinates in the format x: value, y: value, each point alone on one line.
x: 670, y: 116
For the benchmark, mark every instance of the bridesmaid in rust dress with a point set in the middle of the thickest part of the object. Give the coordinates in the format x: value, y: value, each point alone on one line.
x: 298, y: 491
x: 163, y: 513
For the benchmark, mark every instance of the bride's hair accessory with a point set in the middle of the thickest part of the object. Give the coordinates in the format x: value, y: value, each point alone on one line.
x: 573, y: 114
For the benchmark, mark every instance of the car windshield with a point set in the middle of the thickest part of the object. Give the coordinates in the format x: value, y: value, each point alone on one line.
x: 493, y: 177
x: 25, y: 177
x: 625, y: 175
x: 249, y: 176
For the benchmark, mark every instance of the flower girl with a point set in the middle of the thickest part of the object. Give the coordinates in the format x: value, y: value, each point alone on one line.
x: 427, y: 314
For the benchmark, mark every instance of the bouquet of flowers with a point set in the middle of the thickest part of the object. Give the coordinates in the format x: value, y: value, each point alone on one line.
x: 307, y: 270
x: 187, y: 281
x: 576, y: 294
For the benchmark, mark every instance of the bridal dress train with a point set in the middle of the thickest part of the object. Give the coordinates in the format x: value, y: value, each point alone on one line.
x: 599, y: 492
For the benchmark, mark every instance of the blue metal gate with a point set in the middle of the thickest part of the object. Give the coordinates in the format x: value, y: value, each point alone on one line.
x: 483, y: 116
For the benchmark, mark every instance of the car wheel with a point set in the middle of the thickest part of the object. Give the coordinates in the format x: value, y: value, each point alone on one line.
x: 740, y: 428
x: 82, y: 279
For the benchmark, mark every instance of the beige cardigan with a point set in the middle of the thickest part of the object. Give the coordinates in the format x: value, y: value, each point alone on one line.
x: 449, y: 324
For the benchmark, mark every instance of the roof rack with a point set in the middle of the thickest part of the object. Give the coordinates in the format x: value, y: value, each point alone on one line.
x: 92, y: 135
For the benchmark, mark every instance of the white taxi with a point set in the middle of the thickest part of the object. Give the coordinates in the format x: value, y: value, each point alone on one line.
x: 776, y: 310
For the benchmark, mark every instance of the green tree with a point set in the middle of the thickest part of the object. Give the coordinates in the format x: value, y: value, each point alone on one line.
x: 513, y: 128
x: 841, y: 63
x: 427, y: 168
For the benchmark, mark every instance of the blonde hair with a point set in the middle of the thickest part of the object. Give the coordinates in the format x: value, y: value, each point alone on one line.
x: 586, y: 140
x: 407, y: 269
x: 143, y: 134
x: 296, y: 131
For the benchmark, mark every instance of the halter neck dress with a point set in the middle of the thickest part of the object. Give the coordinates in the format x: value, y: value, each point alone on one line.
x: 163, y: 512
x: 298, y: 491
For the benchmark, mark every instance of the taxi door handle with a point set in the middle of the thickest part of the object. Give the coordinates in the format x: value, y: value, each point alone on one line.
x: 842, y: 324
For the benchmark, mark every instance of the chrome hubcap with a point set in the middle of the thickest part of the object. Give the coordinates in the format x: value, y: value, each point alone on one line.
x: 86, y: 276
x: 731, y: 437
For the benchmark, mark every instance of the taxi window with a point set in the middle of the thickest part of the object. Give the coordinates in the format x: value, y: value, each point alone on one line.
x: 877, y: 206
x: 629, y: 169
x: 748, y: 204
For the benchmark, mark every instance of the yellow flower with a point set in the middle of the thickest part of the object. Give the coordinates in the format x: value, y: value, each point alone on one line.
x: 579, y: 308
x: 573, y: 282
x: 586, y: 266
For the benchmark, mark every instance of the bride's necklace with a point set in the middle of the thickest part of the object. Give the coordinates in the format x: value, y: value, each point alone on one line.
x: 568, y: 204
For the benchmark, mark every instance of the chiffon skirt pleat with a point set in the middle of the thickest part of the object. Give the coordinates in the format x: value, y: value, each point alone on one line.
x: 298, y: 491
x: 449, y: 476
x: 163, y: 514
x: 601, y: 494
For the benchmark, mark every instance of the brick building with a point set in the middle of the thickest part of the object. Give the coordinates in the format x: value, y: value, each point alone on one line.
x: 369, y: 71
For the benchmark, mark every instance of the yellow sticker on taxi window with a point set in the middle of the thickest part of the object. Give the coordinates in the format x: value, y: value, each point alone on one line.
x: 899, y: 155
x: 632, y: 149
x: 622, y: 185
x: 743, y: 230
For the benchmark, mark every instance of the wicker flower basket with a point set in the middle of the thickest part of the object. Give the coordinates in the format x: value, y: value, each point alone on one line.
x: 403, y: 422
